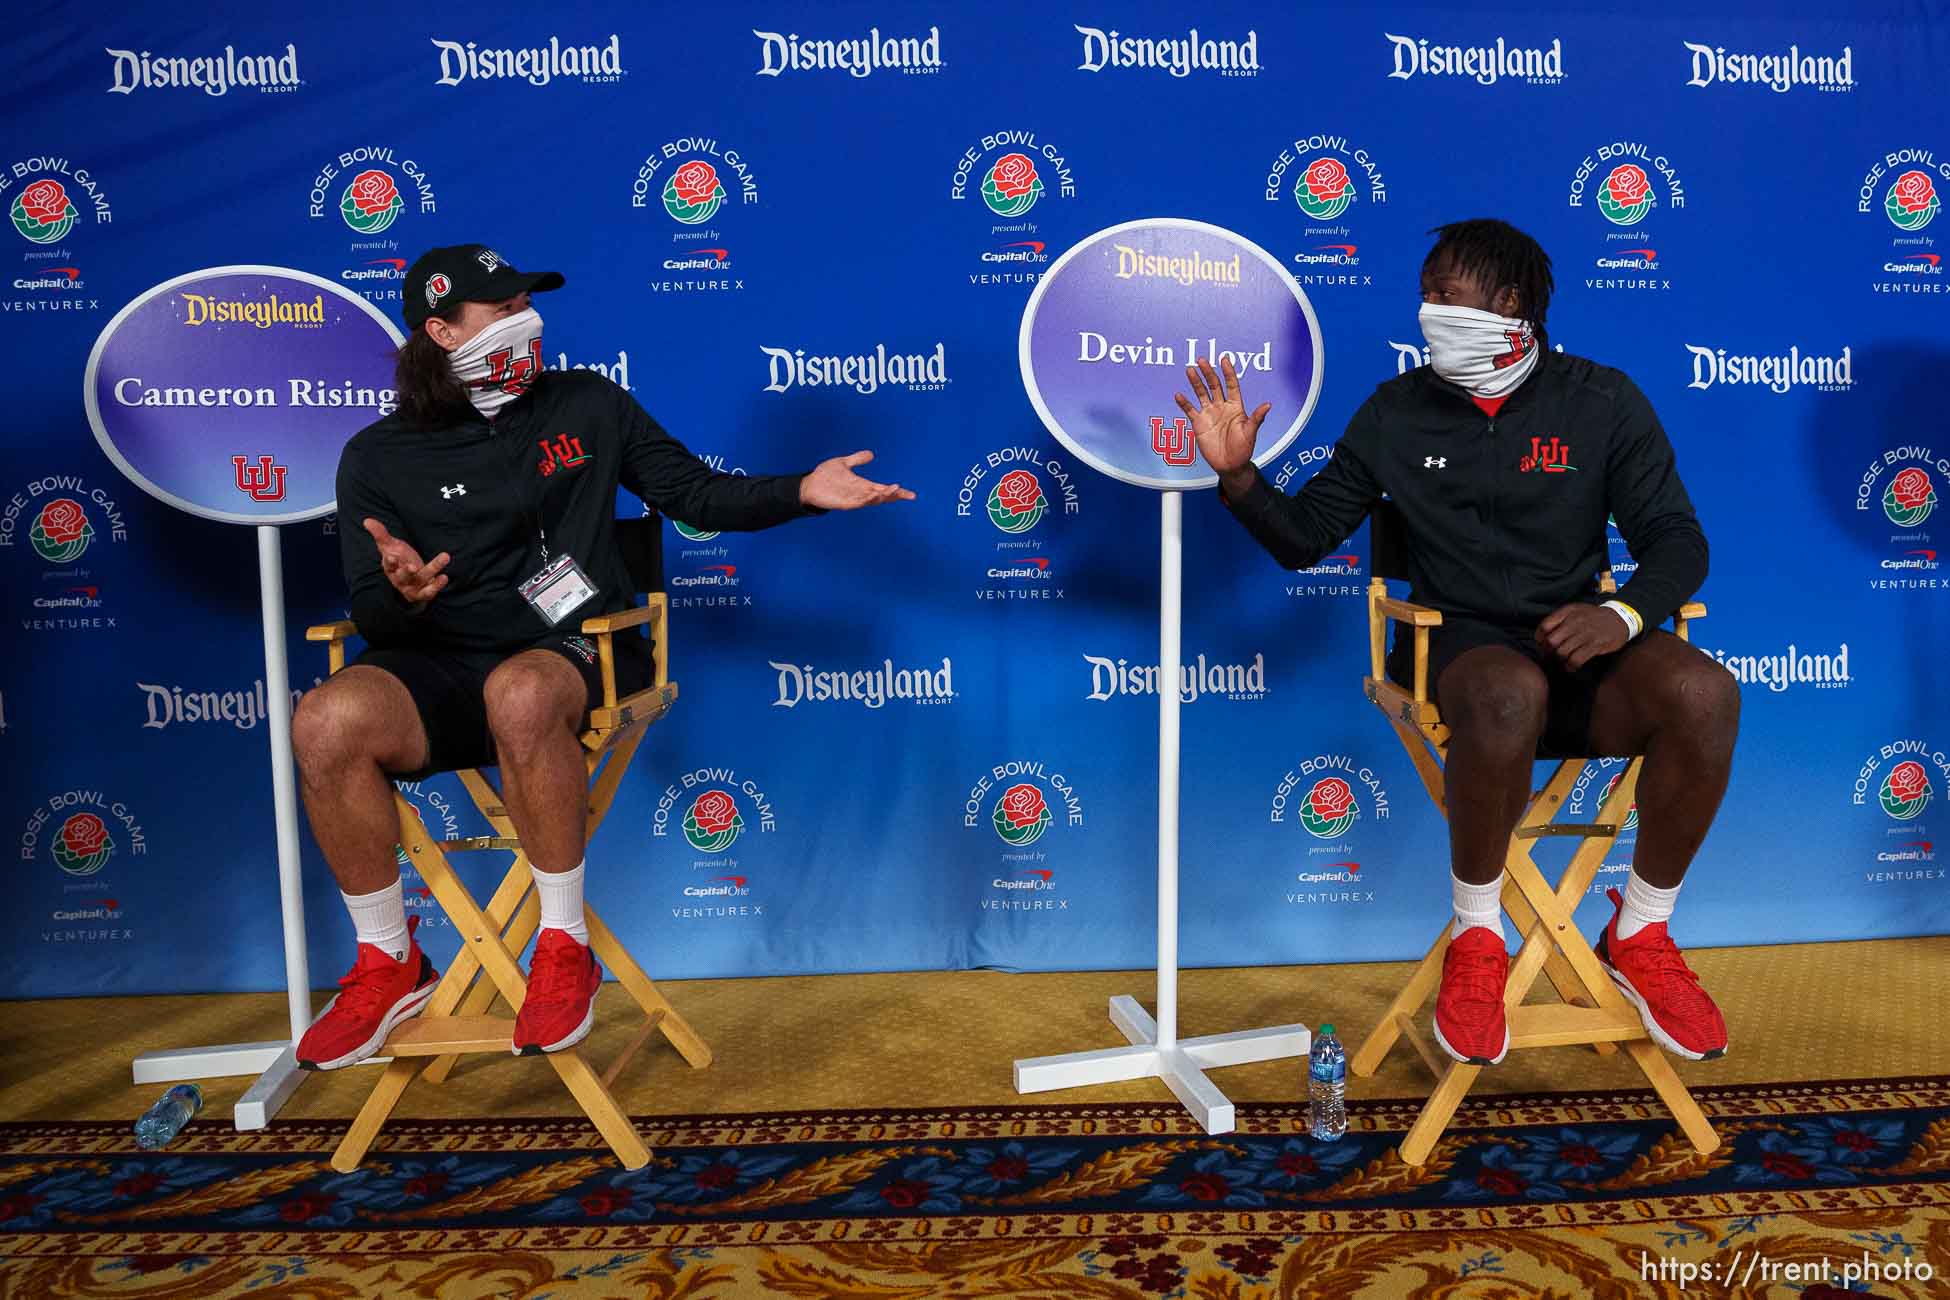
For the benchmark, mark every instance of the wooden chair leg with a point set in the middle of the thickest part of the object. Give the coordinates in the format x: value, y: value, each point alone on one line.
x: 1374, y: 1049
x: 1437, y: 1112
x: 373, y: 1115
x: 630, y: 975
x: 1666, y: 1082
x: 481, y: 991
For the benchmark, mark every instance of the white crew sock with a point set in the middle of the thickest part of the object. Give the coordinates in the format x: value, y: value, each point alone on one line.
x: 561, y: 895
x: 1477, y: 905
x: 1644, y: 904
x: 379, y: 918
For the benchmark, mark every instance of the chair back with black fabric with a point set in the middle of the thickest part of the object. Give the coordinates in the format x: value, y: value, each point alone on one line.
x: 642, y: 543
x: 1387, y: 540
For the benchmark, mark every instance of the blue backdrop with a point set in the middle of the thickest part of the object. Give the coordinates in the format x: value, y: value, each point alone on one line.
x: 1742, y: 212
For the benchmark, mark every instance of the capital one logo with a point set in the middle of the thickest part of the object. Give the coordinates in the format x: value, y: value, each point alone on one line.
x: 1175, y: 443
x: 263, y: 481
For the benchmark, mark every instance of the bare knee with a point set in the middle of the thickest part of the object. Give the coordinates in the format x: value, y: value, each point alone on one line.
x: 332, y: 726
x: 1701, y: 702
x: 1496, y: 707
x: 530, y: 699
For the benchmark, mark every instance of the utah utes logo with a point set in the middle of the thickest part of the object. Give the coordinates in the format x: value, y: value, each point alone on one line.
x: 513, y: 374
x: 1520, y: 344
x: 561, y: 451
x: 263, y: 481
x: 1175, y: 443
x: 438, y: 287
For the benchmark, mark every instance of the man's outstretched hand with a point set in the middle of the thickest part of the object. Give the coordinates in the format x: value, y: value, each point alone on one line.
x: 1225, y: 431
x: 834, y: 486
x: 417, y: 581
x: 1579, y: 633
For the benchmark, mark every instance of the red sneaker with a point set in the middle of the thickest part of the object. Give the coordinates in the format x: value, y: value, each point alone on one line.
x: 376, y: 994
x: 1469, y: 1020
x: 563, y: 977
x: 1654, y: 978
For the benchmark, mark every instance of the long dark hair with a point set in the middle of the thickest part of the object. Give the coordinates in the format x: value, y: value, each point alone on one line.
x: 1498, y: 254
x: 429, y: 395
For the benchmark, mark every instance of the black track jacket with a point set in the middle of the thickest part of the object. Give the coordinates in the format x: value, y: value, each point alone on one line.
x: 485, y: 493
x: 1505, y: 517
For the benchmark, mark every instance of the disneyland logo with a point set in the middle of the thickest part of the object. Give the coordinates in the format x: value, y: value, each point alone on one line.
x: 1179, y: 56
x: 873, y: 687
x: 212, y: 74
x: 860, y: 57
x: 1778, y: 72
x: 1484, y: 64
x: 241, y: 709
x: 1776, y: 373
x: 864, y: 373
x: 1794, y: 668
x: 537, y: 66
x: 1241, y: 681
x: 1193, y: 268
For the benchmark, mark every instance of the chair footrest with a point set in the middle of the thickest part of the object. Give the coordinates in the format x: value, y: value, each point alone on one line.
x: 1607, y: 829
x: 1547, y: 1025
x: 439, y: 1035
x: 477, y: 843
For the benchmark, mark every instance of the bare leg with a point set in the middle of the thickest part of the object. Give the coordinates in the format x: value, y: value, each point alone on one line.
x: 1493, y: 699
x: 535, y: 703
x: 347, y: 734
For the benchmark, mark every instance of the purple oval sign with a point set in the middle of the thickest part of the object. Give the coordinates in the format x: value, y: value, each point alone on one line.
x: 229, y: 392
x: 1112, y: 325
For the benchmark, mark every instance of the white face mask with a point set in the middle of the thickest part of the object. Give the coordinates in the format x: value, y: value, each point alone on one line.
x: 501, y: 362
x: 1478, y: 351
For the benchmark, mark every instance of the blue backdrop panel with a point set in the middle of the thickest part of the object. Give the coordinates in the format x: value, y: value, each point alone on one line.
x: 1743, y: 213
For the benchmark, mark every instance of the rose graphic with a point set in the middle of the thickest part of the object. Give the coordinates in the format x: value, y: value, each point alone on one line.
x: 1626, y: 195
x: 61, y: 532
x: 1324, y: 190
x: 1012, y: 187
x: 1911, y: 202
x: 1330, y: 808
x: 43, y: 213
x: 1909, y: 498
x: 1906, y: 790
x: 84, y: 845
x: 1021, y: 816
x: 1016, y: 503
x: 371, y: 202
x: 1631, y: 815
x: 713, y: 822
x: 694, y: 193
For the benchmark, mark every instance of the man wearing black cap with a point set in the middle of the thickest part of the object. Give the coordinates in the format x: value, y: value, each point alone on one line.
x: 485, y: 509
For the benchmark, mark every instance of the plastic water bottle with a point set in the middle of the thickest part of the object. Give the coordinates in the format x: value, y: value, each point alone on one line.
x: 1327, y: 1087
x: 161, y: 1123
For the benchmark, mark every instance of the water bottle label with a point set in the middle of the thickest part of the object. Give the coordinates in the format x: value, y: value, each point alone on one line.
x: 1330, y: 1071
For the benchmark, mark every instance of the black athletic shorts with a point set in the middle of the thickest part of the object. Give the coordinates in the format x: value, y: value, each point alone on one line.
x: 447, y: 689
x: 1567, y: 716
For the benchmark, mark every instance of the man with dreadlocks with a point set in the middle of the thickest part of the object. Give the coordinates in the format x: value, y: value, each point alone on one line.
x: 1504, y: 459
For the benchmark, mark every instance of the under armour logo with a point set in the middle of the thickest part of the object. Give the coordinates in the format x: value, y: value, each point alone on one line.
x: 449, y: 493
x: 263, y: 481
x: 1435, y: 462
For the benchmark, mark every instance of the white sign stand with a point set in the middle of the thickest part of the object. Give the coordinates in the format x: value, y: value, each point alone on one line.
x: 1155, y: 1050
x: 275, y: 1063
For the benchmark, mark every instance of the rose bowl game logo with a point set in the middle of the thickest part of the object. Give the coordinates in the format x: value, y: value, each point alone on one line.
x: 61, y: 531
x: 1012, y: 186
x: 1021, y: 815
x: 691, y: 534
x: 1016, y: 503
x: 1905, y: 791
x: 1329, y: 808
x: 694, y: 193
x: 371, y: 203
x: 1909, y: 498
x: 1626, y: 196
x: 84, y: 845
x: 1911, y: 201
x: 43, y: 213
x: 714, y: 822
x: 1324, y: 190
x: 1631, y: 814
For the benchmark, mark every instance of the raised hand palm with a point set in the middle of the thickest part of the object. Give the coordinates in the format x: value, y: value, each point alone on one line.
x: 1226, y: 431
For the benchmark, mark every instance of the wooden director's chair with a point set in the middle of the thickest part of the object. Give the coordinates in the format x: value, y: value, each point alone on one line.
x: 455, y: 1020
x: 1591, y: 1010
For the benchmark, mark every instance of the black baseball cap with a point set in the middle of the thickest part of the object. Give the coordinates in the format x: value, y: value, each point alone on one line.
x: 441, y: 277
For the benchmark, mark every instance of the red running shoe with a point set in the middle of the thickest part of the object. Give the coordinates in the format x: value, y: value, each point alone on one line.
x: 563, y: 977
x: 376, y: 994
x: 1469, y: 1020
x: 1654, y: 978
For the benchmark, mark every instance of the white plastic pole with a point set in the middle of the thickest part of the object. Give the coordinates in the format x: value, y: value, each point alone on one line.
x: 1170, y: 572
x: 284, y: 786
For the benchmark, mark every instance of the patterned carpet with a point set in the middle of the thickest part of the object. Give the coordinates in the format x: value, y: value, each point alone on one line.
x: 1588, y: 1195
